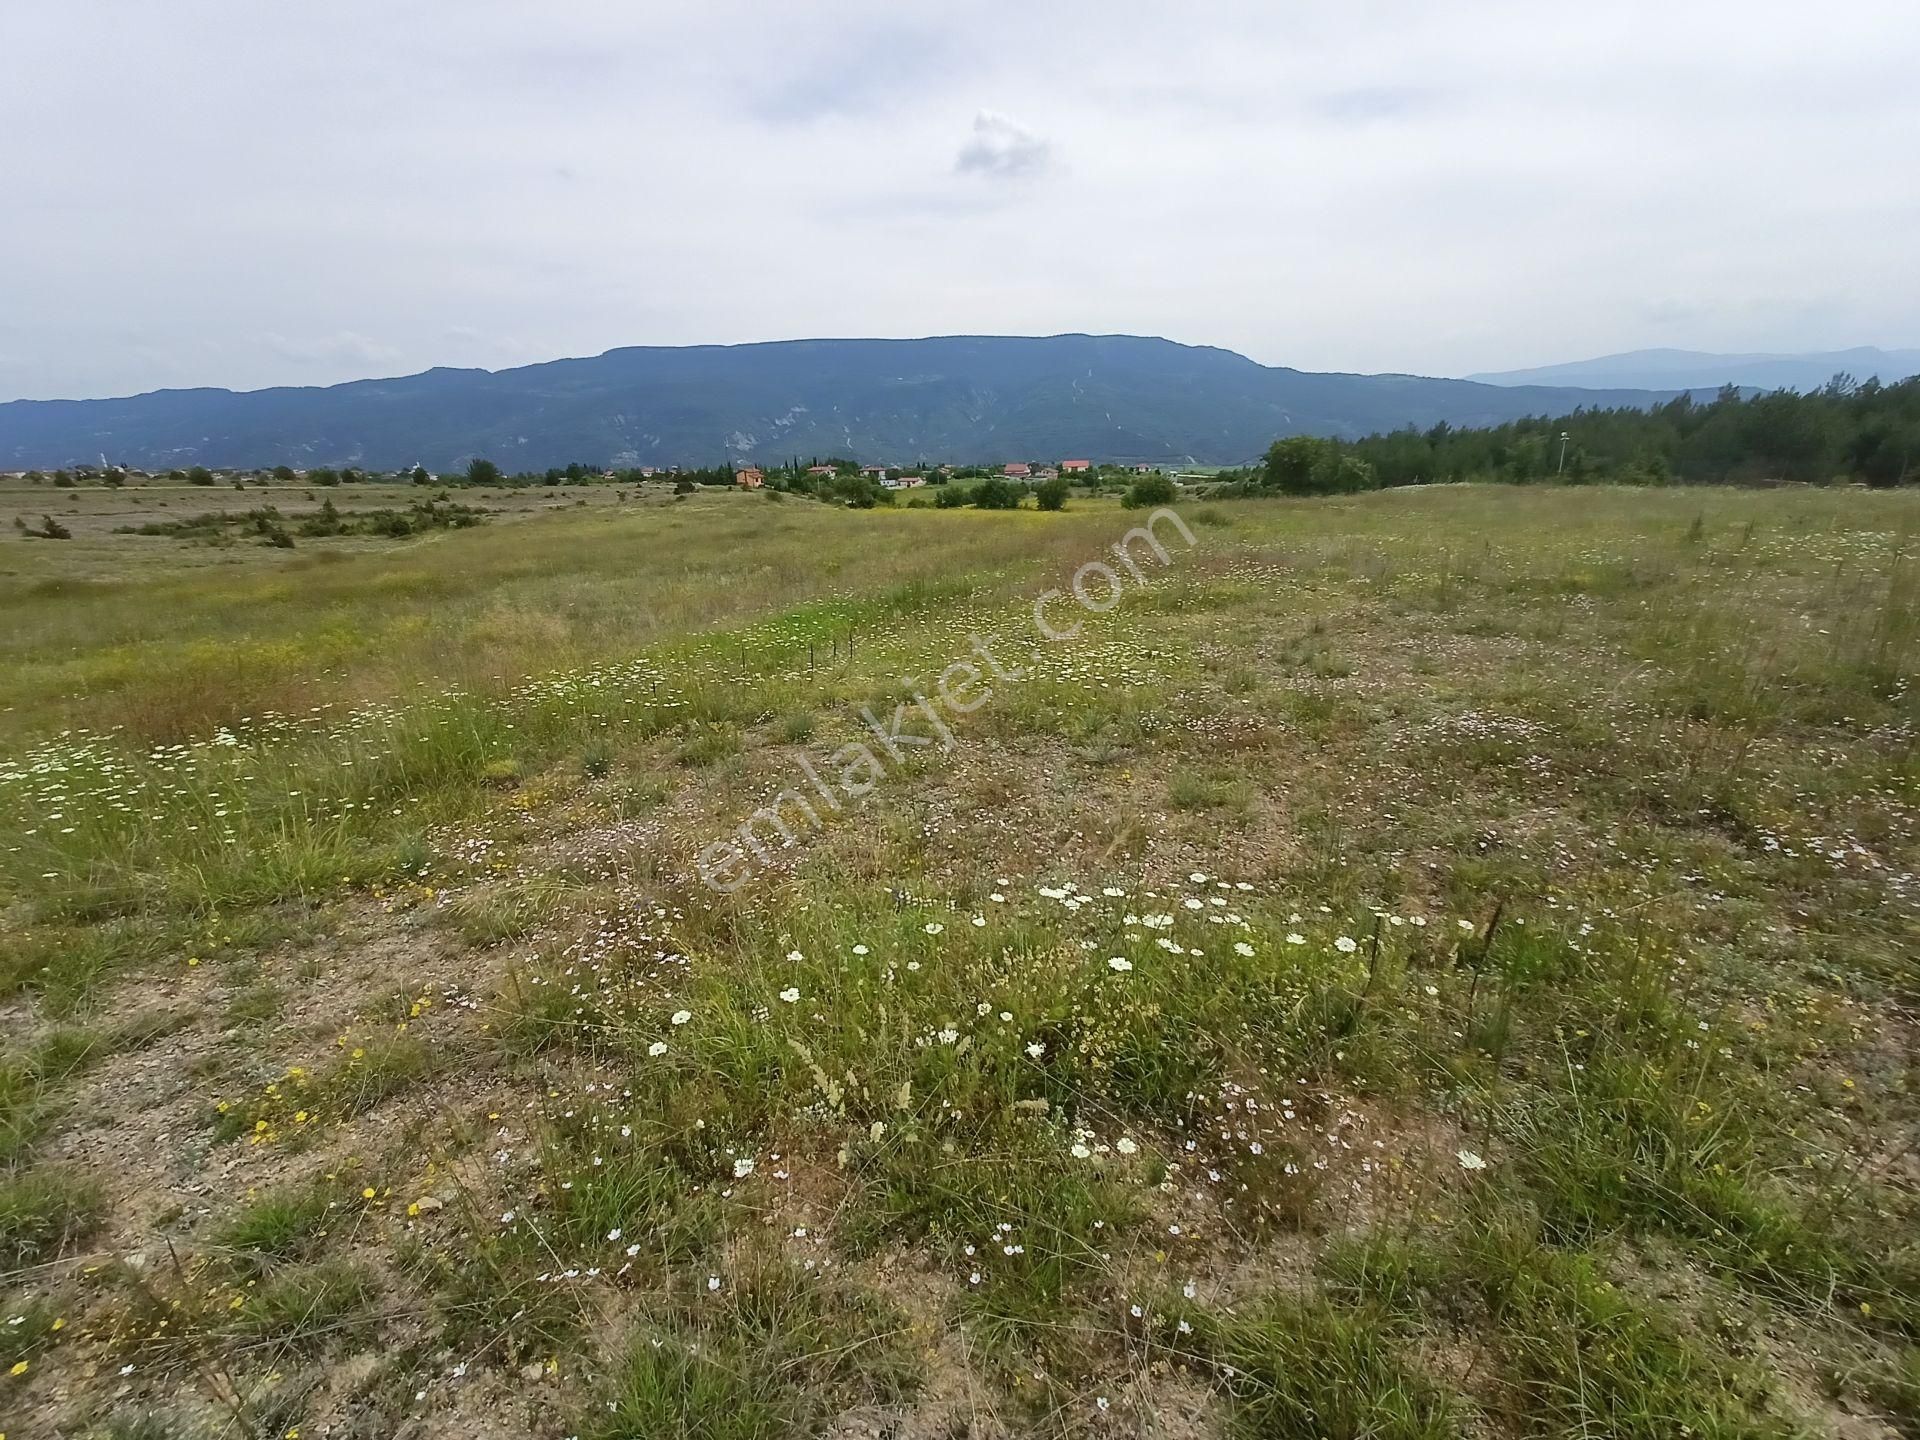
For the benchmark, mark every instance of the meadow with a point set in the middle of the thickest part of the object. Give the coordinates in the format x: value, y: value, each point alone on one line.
x: 1425, y: 963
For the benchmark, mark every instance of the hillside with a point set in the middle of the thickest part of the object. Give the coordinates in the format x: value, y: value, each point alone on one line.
x: 1700, y: 370
x: 1109, y: 397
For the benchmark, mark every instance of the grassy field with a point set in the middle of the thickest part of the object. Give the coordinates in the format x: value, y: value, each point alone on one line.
x: 1434, y: 963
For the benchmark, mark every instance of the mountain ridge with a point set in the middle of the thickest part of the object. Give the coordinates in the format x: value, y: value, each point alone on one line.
x: 1705, y: 369
x: 962, y: 397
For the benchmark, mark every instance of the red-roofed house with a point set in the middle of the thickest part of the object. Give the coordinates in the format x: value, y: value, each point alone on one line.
x: 1017, y: 471
x: 749, y: 478
x: 1068, y: 467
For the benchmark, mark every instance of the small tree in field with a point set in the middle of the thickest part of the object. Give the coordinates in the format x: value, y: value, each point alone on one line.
x: 1052, y: 494
x: 1154, y: 489
x: 481, y: 471
x: 997, y: 494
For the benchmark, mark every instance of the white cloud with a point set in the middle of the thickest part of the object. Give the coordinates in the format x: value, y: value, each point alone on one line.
x: 1001, y: 148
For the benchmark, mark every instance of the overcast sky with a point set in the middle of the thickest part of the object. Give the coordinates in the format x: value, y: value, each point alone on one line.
x: 231, y: 192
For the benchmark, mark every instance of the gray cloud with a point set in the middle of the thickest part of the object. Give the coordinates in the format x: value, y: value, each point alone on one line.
x: 342, y: 348
x: 1375, y: 102
x: 1002, y: 148
x: 480, y: 182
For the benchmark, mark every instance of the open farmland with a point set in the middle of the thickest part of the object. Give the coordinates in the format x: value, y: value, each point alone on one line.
x: 103, y: 523
x: 1433, y: 962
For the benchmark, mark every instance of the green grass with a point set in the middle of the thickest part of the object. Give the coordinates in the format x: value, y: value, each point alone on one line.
x: 308, y: 1304
x: 777, y: 1352
x: 1461, y: 936
x: 1310, y: 1370
x: 277, y: 1227
x: 45, y: 1211
x: 301, y: 1103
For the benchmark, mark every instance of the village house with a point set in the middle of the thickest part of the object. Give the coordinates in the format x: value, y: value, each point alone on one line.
x: 1070, y: 467
x: 1017, y: 471
x: 904, y: 482
x: 749, y: 478
x: 819, y: 470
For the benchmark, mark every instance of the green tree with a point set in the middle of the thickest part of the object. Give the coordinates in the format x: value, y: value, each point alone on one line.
x: 199, y: 475
x: 997, y: 494
x: 1299, y: 464
x: 1052, y: 494
x: 1152, y: 489
x: 1886, y: 451
x: 481, y: 471
x: 859, y: 491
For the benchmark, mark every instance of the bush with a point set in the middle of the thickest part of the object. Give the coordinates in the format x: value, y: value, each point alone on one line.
x: 859, y: 491
x: 997, y: 494
x: 1155, y: 489
x: 1052, y: 494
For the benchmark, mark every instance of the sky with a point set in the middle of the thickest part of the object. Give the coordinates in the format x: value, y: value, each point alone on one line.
x: 225, y: 192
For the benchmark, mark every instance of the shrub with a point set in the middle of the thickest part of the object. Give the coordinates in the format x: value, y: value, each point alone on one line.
x: 1155, y: 489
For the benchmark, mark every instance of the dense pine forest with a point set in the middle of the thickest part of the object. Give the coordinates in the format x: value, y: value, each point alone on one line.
x: 1846, y: 431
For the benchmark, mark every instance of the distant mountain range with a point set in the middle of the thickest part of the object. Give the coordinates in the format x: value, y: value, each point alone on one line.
x: 960, y: 398
x: 1699, y: 370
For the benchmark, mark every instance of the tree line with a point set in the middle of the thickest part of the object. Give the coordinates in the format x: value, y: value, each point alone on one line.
x: 1845, y: 432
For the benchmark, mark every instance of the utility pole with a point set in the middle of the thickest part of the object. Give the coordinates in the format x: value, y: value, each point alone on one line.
x: 1561, y: 468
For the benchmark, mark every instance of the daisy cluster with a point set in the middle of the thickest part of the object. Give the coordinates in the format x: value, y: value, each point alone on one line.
x: 1028, y: 1003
